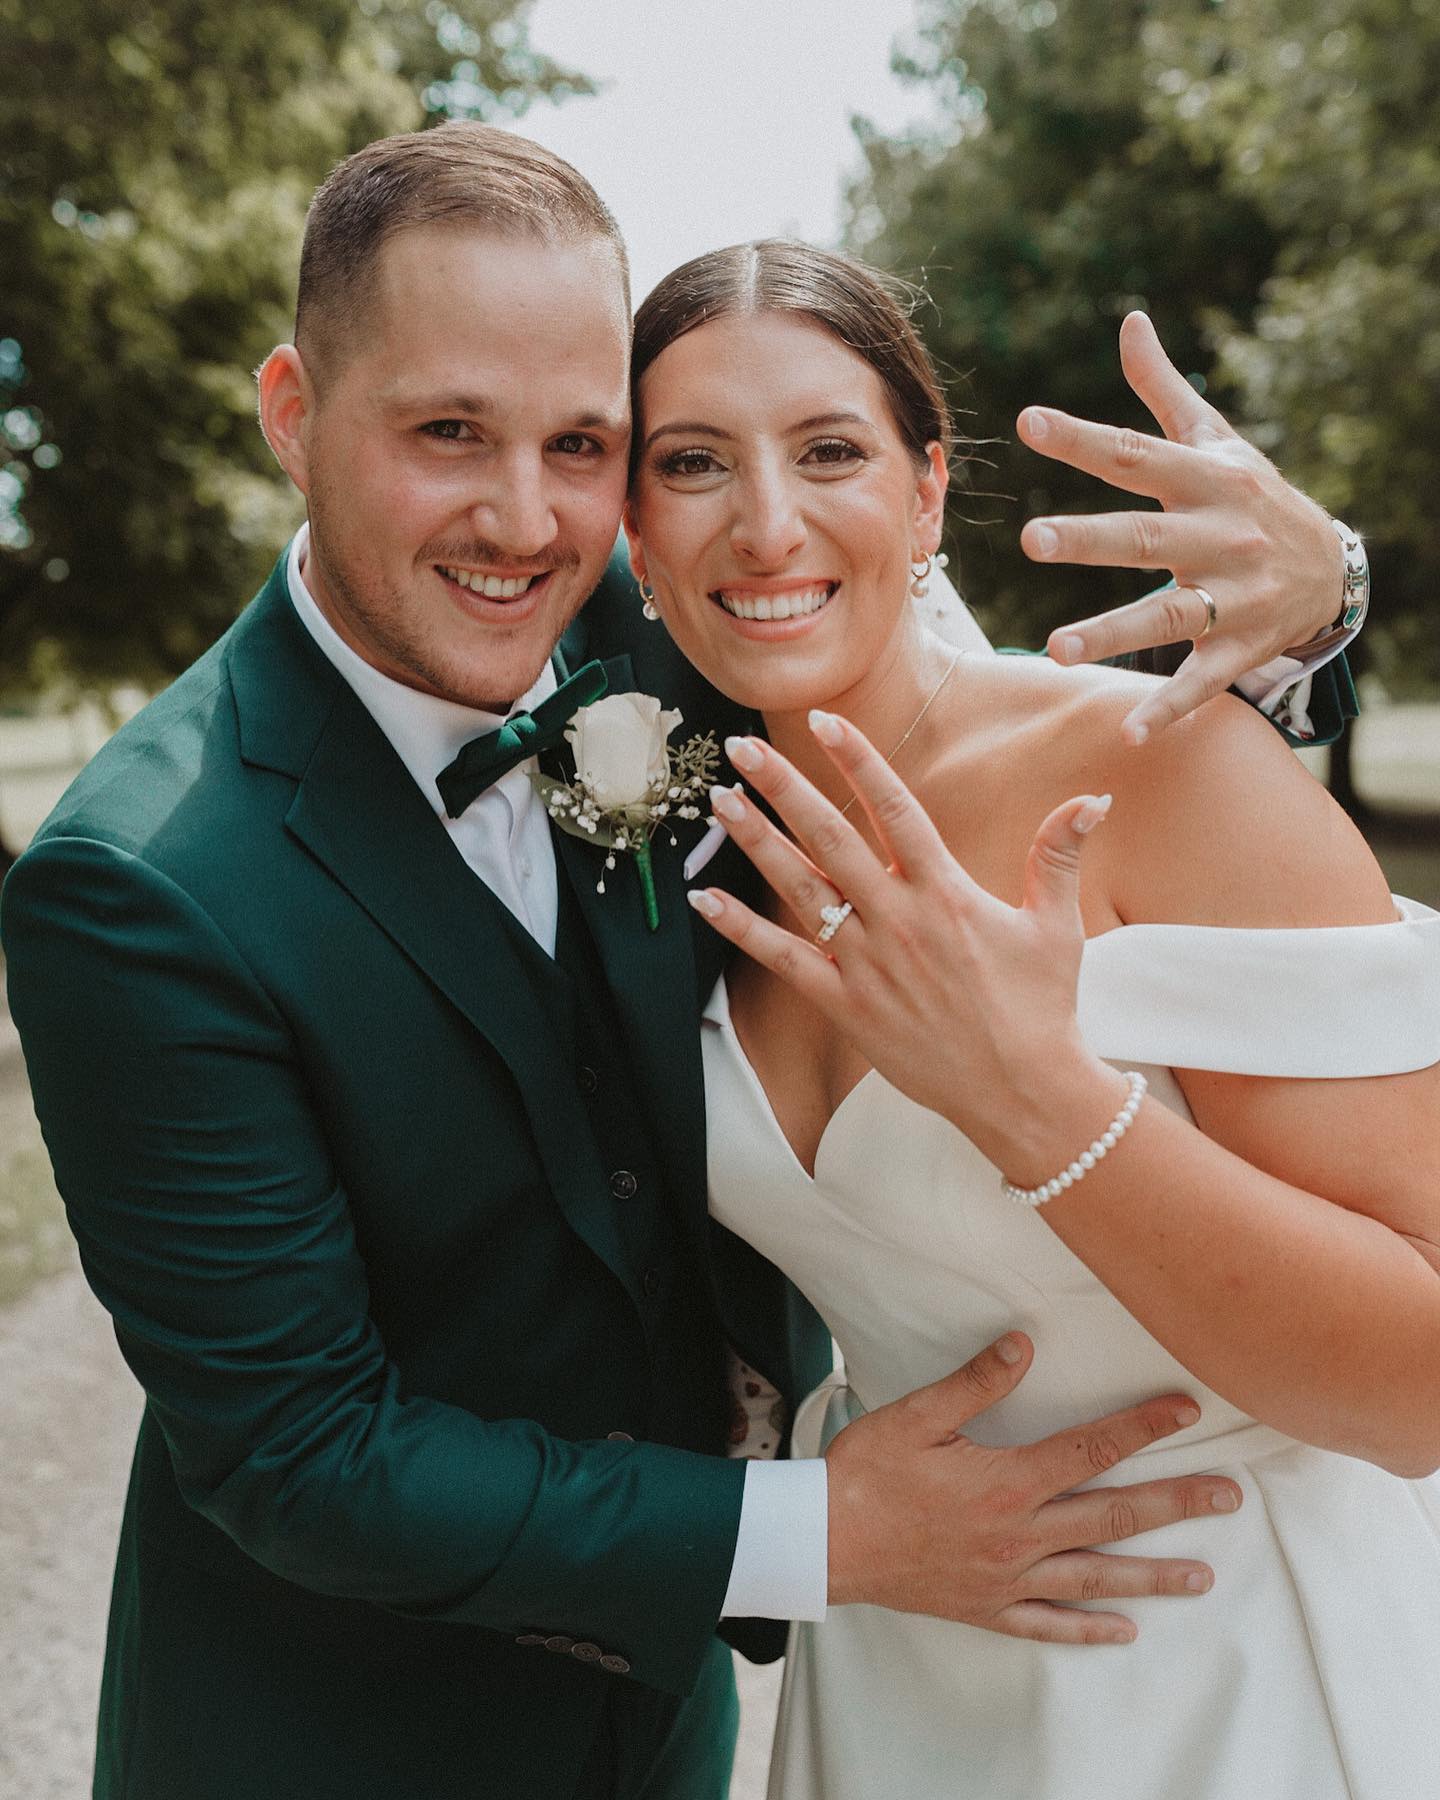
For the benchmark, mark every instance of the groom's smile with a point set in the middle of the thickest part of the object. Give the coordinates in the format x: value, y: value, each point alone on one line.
x: 461, y: 444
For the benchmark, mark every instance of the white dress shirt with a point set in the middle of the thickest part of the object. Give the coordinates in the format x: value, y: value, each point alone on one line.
x: 780, y: 1569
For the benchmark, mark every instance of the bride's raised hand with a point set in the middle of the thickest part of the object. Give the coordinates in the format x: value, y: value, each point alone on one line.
x: 964, y: 1003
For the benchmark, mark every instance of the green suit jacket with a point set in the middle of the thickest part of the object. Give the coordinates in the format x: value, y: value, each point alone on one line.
x: 329, y: 1170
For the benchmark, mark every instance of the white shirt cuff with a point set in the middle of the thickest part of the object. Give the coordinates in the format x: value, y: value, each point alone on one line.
x: 782, y: 1551
x: 1267, y: 686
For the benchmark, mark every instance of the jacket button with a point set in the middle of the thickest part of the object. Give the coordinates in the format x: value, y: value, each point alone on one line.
x: 589, y: 1081
x: 560, y: 1643
x: 618, y: 1437
x: 532, y: 1640
x: 651, y: 1282
x: 586, y: 1652
x: 617, y: 1665
x: 623, y: 1185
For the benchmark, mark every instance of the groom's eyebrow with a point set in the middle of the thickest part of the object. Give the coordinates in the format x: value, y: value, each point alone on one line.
x: 456, y: 405
x: 697, y: 428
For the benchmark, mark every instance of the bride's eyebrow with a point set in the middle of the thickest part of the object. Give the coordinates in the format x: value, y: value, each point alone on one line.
x: 690, y: 428
x: 696, y: 428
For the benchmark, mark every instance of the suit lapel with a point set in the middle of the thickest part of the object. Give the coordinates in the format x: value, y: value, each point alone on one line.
x: 358, y: 813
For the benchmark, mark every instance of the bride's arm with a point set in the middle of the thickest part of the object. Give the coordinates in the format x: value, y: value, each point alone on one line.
x: 1284, y: 1251
x: 1288, y: 1250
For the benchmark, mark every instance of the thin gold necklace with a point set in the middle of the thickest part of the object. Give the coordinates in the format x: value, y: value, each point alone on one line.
x: 914, y: 723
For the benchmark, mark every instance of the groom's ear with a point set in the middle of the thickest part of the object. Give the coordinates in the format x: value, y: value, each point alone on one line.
x: 286, y: 401
x: 633, y: 544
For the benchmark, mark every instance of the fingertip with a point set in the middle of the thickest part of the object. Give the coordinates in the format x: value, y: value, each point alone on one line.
x: 1091, y: 813
x: 1013, y: 1349
x: 706, y: 902
x: 1134, y: 732
x: 1033, y: 425
x: 1066, y: 648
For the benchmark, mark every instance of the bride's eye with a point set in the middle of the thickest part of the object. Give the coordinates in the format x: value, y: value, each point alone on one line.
x: 833, y: 453
x: 686, y: 462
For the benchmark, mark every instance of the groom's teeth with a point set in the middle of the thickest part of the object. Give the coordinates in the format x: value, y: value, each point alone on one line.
x: 774, y: 606
x: 493, y: 587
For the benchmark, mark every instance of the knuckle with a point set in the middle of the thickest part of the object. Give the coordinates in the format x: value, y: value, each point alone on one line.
x: 827, y: 838
x: 806, y: 893
x: 975, y: 1378
x: 1171, y: 617
x: 785, y: 963
x: 1095, y: 1581
x: 1131, y: 447
x: 1122, y: 1519
x: 1060, y: 859
x: 1102, y: 1451
x: 1013, y: 1552
x: 893, y: 807
x: 1146, y: 535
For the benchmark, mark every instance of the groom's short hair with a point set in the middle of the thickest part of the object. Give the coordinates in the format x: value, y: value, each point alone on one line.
x: 462, y: 174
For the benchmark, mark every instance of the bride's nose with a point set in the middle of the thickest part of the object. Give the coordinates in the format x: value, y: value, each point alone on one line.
x: 768, y: 527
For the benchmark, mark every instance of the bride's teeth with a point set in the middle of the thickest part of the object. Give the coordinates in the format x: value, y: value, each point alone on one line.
x: 775, y: 606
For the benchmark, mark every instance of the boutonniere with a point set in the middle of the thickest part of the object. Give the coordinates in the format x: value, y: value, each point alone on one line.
x: 629, y: 781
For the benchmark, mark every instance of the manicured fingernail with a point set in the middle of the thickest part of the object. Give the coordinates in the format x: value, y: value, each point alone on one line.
x: 726, y: 803
x: 1187, y: 1414
x: 1046, y: 540
x: 1136, y: 734
x: 1123, y: 1635
x: 744, y: 752
x: 1009, y: 1351
x: 1070, y: 648
x: 1089, y: 816
x: 1036, y: 424
x: 1199, y: 1582
x: 1224, y: 1500
x: 826, y: 727
x: 705, y: 903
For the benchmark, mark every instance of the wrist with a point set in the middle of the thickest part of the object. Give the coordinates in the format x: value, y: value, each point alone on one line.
x: 1073, y: 1107
x: 1352, y: 598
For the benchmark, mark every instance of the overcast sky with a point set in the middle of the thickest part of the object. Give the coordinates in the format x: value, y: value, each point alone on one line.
x: 718, y: 123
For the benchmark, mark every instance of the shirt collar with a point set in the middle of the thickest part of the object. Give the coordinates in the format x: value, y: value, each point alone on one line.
x: 426, y: 731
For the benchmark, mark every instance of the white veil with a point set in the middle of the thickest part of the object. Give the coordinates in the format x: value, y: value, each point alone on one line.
x: 946, y: 614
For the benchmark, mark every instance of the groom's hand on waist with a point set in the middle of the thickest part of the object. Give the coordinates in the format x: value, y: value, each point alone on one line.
x: 925, y: 1520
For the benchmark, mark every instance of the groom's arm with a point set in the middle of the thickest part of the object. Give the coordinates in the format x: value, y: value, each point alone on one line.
x: 214, y: 1229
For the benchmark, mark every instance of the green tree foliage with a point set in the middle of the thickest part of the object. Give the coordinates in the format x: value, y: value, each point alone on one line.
x: 1325, y: 114
x: 1261, y: 176
x: 156, y: 159
x: 1048, y: 202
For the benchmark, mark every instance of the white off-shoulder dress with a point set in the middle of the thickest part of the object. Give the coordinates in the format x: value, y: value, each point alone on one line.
x: 1312, y: 1669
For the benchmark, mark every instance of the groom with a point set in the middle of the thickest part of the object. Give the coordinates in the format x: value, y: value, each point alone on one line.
x: 381, y: 1129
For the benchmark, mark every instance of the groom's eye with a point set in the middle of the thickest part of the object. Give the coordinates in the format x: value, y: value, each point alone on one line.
x: 577, y: 443
x: 449, y: 431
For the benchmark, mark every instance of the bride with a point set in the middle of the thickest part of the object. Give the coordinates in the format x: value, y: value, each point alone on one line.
x: 1170, y: 1106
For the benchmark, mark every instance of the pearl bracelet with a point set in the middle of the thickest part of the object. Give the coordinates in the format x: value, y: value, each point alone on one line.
x: 1087, y: 1159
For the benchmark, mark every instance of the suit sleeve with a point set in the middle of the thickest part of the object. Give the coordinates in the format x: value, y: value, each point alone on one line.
x: 211, y: 1226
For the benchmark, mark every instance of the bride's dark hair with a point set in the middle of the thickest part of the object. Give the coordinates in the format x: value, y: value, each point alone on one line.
x: 865, y: 309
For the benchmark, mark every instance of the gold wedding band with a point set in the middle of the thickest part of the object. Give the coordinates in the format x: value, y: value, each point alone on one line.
x: 1210, y: 613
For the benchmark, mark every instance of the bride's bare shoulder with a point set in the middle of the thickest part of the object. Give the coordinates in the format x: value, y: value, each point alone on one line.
x: 1214, y: 820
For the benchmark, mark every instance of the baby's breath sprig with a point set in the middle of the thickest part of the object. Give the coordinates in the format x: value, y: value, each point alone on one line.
x: 675, y: 793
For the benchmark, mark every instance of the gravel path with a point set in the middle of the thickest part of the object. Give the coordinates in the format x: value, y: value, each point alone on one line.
x: 68, y: 1411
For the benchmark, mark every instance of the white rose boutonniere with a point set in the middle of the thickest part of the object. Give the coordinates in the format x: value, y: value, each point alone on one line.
x: 629, y: 781
x: 619, y: 745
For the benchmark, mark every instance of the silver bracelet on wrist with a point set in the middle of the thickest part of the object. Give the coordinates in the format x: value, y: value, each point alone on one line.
x: 1087, y: 1159
x: 1354, y: 598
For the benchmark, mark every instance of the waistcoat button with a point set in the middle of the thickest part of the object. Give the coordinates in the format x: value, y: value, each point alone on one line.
x: 623, y: 1185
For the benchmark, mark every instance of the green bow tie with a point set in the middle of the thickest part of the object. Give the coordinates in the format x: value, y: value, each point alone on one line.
x: 486, y: 758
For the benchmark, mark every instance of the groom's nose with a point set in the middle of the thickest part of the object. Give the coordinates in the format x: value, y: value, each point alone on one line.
x: 515, y: 509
